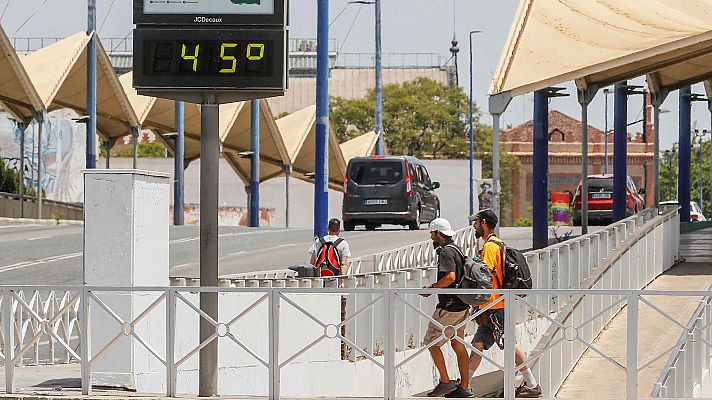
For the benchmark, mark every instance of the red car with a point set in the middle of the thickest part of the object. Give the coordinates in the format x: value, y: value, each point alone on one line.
x: 600, y: 199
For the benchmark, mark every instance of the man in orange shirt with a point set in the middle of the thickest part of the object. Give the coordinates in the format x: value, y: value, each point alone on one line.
x: 490, y: 328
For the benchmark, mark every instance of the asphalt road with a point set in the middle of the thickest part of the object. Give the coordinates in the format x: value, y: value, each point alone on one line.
x: 42, y: 255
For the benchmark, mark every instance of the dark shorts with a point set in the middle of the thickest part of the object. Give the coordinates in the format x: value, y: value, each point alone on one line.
x: 486, y: 327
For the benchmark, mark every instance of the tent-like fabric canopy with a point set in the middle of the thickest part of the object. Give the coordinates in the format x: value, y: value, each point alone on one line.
x: 235, y: 135
x: 17, y: 93
x: 360, y: 146
x: 299, y: 132
x: 59, y: 74
x: 708, y: 89
x: 603, y: 42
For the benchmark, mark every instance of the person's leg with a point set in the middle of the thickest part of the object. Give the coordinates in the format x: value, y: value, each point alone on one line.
x: 520, y: 357
x: 437, y: 356
x: 463, y: 362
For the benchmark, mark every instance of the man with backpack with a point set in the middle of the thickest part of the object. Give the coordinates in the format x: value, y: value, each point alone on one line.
x: 490, y: 329
x: 450, y: 312
x: 330, y: 254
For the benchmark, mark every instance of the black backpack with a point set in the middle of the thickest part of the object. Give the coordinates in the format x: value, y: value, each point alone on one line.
x: 328, y: 261
x: 473, y: 274
x: 516, y: 270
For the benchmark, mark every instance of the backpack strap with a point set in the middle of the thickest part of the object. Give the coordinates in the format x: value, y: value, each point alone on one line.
x: 322, y: 241
x: 338, y: 241
x: 463, y: 260
x: 502, y: 250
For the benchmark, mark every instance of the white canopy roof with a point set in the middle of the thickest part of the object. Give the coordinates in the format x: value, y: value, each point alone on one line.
x: 603, y: 42
x: 17, y: 93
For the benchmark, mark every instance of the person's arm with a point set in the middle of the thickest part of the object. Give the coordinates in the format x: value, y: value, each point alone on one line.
x: 312, y: 251
x: 344, y: 265
x: 446, y: 281
x: 312, y: 260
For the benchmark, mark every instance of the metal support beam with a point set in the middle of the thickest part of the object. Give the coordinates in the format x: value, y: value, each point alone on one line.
x: 255, y: 165
x: 209, y: 181
x: 497, y: 106
x: 620, y: 150
x: 540, y: 181
x: 108, y: 145
x: 91, y: 86
x: 287, y: 174
x: 657, y: 99
x: 178, y: 165
x: 21, y: 127
x: 136, y: 133
x: 321, y: 168
x: 585, y: 96
x: 685, y: 153
x: 379, y: 82
x: 41, y: 116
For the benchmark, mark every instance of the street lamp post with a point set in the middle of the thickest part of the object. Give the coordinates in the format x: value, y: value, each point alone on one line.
x: 472, y: 132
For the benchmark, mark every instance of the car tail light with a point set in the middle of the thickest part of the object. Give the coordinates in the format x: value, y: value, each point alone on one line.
x: 408, y: 186
x: 693, y: 217
x: 346, y: 186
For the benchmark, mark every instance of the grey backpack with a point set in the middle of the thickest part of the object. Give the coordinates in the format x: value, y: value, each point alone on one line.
x: 473, y: 274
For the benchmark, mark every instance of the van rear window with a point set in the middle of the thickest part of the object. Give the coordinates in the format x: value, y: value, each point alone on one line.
x: 376, y: 173
x: 600, y: 184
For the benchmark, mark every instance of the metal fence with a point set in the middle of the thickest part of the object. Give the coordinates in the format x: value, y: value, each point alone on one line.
x: 687, y: 371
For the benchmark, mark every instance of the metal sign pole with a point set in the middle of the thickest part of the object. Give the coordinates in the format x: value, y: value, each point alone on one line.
x: 209, y: 180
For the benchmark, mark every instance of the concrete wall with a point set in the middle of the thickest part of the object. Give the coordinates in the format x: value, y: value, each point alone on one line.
x: 11, y: 207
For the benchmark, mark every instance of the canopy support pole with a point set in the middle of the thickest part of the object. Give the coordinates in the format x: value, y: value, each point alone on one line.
x: 321, y: 166
x: 21, y: 126
x: 497, y: 106
x: 108, y: 145
x: 685, y: 155
x: 585, y: 96
x: 91, y: 86
x: 255, y: 165
x: 178, y: 165
x: 620, y: 150
x: 657, y: 98
x: 540, y: 181
x: 287, y: 174
x: 40, y: 127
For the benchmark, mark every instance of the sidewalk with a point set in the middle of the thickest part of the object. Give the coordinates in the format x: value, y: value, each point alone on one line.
x: 598, y: 377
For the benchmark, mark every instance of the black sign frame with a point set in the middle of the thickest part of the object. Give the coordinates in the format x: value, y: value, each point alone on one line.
x: 279, y: 18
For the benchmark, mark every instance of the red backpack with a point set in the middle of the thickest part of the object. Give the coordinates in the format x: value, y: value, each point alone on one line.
x: 328, y: 261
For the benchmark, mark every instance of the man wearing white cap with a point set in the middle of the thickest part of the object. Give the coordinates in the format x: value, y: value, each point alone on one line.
x: 449, y: 312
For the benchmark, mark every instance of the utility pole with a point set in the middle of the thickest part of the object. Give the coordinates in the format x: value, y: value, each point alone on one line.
x: 321, y: 168
x: 178, y: 166
x: 91, y: 86
x: 472, y: 129
x: 379, y: 82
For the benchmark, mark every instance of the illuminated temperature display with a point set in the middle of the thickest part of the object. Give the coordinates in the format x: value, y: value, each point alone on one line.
x: 209, y: 58
x: 228, y: 58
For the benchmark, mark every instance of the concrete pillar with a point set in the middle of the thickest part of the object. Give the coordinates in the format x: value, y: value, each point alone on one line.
x: 126, y: 222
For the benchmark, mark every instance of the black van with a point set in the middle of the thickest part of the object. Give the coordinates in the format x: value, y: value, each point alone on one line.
x: 388, y: 190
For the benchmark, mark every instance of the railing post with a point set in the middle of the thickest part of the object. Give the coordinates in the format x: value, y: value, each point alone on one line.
x: 389, y: 365
x: 509, y: 343
x: 171, y: 371
x: 274, y: 370
x: 85, y: 341
x: 9, y: 350
x: 631, y: 386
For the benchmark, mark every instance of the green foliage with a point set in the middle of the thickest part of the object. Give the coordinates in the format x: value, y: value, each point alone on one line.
x: 145, y: 149
x: 10, y: 181
x: 425, y: 119
x: 281, y: 115
x: 668, y: 170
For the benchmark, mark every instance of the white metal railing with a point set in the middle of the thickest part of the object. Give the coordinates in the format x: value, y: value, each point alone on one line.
x: 687, y: 371
x: 275, y: 363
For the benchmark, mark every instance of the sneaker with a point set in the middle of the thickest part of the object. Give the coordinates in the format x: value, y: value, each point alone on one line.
x: 525, y: 391
x: 443, y: 388
x: 460, y: 393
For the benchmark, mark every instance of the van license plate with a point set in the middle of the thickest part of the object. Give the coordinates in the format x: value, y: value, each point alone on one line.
x: 601, y: 195
x: 375, y: 202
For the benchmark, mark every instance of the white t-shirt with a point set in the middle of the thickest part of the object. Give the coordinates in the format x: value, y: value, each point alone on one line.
x: 342, y: 248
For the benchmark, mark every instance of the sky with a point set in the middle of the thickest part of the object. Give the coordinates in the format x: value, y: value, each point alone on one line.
x: 408, y: 26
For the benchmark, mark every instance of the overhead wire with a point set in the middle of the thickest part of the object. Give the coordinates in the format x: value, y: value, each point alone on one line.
x: 353, y: 22
x: 5, y: 9
x: 30, y: 17
x: 106, y: 15
x: 339, y: 14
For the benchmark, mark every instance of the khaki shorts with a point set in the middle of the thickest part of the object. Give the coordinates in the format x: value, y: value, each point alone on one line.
x: 445, y: 318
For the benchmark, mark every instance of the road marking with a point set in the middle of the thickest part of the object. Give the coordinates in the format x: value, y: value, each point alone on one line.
x: 24, y: 264
x: 38, y: 238
x: 18, y: 226
x: 190, y: 239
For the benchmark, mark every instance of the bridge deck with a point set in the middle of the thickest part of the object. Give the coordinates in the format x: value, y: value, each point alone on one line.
x: 596, y: 376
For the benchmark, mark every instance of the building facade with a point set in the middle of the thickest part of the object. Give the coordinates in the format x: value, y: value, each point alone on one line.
x: 565, y: 158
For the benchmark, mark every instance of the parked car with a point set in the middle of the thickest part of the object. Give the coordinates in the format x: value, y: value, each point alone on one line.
x: 695, y: 210
x: 600, y: 199
x: 388, y: 190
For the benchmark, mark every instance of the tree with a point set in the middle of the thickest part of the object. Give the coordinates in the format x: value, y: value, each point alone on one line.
x: 10, y: 181
x: 669, y: 168
x: 426, y: 119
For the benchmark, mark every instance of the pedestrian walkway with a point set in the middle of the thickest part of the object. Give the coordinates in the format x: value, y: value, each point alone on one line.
x: 596, y: 376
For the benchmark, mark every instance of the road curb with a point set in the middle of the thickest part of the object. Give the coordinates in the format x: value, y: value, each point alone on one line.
x: 47, y: 222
